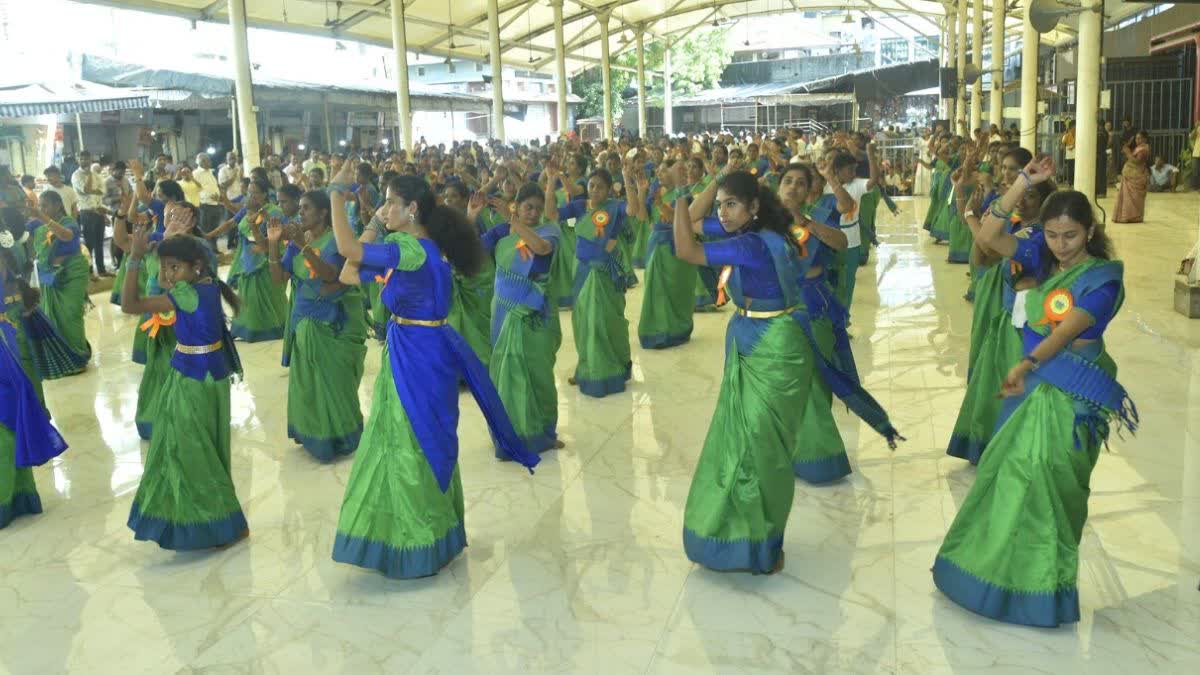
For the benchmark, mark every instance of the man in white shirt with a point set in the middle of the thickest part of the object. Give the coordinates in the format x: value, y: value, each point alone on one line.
x: 90, y: 189
x: 211, y: 212
x: 1162, y: 176
x: 229, y: 177
x: 841, y: 181
x: 54, y: 182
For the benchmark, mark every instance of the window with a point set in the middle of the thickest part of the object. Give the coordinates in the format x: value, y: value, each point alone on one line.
x: 893, y: 50
x: 927, y: 46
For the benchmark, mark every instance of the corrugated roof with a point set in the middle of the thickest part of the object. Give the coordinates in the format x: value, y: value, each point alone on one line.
x: 58, y: 98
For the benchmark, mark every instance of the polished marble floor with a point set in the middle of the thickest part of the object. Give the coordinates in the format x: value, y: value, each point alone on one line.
x: 580, y: 567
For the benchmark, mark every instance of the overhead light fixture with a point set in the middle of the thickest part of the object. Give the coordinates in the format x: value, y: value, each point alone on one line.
x: 848, y: 19
x: 337, y: 45
x: 300, y: 147
x: 446, y: 61
x: 716, y: 24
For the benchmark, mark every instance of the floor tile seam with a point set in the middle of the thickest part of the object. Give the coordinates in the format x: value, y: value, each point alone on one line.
x: 666, y: 629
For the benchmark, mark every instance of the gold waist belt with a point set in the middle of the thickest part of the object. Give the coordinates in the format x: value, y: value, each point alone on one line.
x: 751, y: 314
x: 197, y: 349
x: 429, y: 323
x: 12, y: 300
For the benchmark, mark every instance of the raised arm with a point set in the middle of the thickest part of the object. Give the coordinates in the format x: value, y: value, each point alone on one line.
x: 348, y: 244
x: 993, y: 230
x: 274, y: 254
x: 845, y: 203
x: 873, y: 161
x: 132, y: 301
x: 686, y: 246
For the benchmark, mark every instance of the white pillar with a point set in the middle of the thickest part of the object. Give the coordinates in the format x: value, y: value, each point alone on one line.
x: 977, y: 61
x: 996, y: 112
x: 1029, y: 82
x: 668, y: 111
x: 960, y: 104
x: 951, y: 62
x: 1087, y: 100
x: 943, y: 62
x: 641, y: 68
x: 560, y: 61
x: 233, y: 125
x: 400, y: 53
x: 243, y: 93
x: 493, y: 11
x: 605, y: 75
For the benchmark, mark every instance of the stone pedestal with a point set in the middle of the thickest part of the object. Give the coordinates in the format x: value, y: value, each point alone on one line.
x: 1187, y: 298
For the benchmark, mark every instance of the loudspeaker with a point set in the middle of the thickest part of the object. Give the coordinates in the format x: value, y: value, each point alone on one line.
x: 1044, y: 14
x: 948, y: 78
x: 971, y: 73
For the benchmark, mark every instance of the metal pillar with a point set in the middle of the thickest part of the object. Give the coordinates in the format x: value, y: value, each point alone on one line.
x: 1029, y: 85
x: 400, y: 53
x: 605, y: 74
x: 233, y: 126
x: 977, y: 61
x: 996, y: 111
x: 493, y: 12
x: 960, y: 104
x: 1087, y: 100
x: 943, y: 62
x: 79, y: 135
x: 668, y: 111
x: 243, y: 92
x: 560, y: 61
x: 641, y: 73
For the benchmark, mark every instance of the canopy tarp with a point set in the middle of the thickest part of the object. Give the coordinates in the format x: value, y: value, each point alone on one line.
x: 460, y: 28
x: 60, y: 98
x: 884, y: 82
x: 207, y: 80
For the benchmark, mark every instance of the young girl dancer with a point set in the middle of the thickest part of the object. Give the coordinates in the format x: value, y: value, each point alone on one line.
x: 186, y: 498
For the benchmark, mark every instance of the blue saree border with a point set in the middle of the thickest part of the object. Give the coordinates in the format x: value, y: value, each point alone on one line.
x: 22, y: 504
x: 327, y: 449
x: 664, y: 340
x: 400, y: 563
x: 965, y: 447
x: 186, y: 536
x: 824, y: 470
x: 144, y: 430
x: 604, y: 386
x: 758, y: 557
x: 1046, y: 609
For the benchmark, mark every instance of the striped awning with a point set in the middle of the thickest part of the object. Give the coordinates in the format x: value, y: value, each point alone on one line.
x: 42, y: 98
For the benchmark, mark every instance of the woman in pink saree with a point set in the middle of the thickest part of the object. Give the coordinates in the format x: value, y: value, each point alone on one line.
x: 1135, y: 178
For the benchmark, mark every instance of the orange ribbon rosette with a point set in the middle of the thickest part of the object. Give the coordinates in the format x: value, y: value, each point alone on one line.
x: 523, y: 249
x: 157, y: 321
x: 383, y: 279
x: 722, y: 280
x: 1057, y: 305
x: 600, y: 221
x: 801, y: 234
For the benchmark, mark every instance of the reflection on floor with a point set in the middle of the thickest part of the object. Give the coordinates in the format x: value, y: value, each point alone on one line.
x: 580, y: 567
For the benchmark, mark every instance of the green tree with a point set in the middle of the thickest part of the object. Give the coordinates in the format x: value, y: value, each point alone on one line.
x: 696, y: 64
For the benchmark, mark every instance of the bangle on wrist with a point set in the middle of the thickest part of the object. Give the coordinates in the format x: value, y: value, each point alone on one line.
x: 1033, y: 361
x: 1028, y: 180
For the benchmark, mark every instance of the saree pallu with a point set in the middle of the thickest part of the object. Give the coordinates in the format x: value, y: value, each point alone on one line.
x: 563, y: 268
x: 264, y: 312
x: 471, y: 309
x: 669, y: 300
x: 961, y: 237
x: 598, y: 320
x: 64, y: 300
x: 159, y: 349
x: 526, y: 336
x: 327, y: 360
